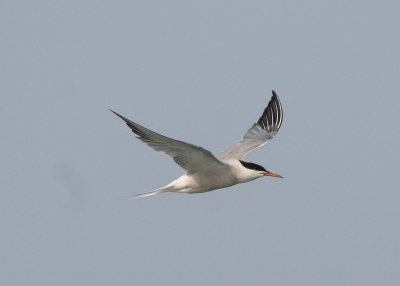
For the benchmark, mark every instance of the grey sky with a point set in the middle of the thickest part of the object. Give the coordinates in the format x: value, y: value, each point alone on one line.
x: 202, y: 72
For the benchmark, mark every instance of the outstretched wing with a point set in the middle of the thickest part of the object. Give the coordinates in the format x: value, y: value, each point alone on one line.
x: 190, y: 157
x: 260, y: 133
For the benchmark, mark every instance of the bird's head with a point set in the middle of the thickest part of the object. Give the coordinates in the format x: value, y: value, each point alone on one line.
x: 258, y: 171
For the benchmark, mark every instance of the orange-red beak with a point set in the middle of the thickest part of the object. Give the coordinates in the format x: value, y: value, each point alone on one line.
x: 272, y: 175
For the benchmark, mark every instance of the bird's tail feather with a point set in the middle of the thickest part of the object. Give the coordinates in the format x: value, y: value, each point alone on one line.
x: 151, y: 193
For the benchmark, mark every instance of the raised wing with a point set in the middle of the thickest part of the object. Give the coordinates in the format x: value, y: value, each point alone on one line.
x: 190, y: 157
x: 260, y: 133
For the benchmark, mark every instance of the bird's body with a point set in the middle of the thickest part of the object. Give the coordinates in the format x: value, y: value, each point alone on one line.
x: 207, y: 180
x: 203, y: 171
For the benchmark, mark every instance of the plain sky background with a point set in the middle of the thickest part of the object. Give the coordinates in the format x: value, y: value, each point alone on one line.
x: 202, y: 72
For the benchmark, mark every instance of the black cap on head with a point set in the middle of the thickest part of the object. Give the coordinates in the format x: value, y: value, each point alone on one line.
x: 252, y: 166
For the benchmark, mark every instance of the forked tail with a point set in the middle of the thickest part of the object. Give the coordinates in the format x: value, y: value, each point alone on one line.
x: 151, y: 193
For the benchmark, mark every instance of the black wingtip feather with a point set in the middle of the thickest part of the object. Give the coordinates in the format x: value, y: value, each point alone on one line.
x: 119, y: 115
x: 127, y: 121
x: 272, y: 116
x: 136, y: 128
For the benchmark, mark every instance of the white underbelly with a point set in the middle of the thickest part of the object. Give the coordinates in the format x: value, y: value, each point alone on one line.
x: 205, y: 181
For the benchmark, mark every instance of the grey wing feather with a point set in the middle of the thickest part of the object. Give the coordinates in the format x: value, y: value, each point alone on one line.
x: 260, y: 133
x: 190, y: 157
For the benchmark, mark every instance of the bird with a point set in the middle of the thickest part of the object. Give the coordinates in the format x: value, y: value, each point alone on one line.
x: 205, y: 172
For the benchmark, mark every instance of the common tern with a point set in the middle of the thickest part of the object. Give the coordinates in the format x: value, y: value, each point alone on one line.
x: 205, y: 172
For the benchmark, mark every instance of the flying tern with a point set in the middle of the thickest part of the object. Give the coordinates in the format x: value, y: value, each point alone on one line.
x: 205, y: 172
